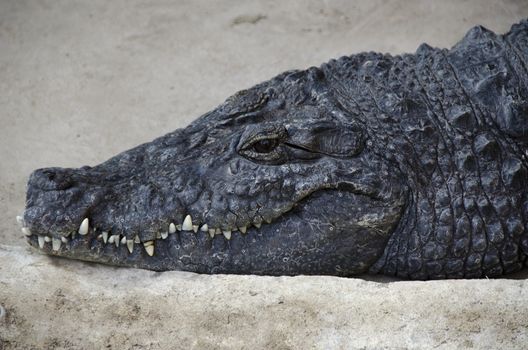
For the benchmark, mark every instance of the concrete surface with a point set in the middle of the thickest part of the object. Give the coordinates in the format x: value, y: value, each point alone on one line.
x: 81, y: 81
x: 94, y: 308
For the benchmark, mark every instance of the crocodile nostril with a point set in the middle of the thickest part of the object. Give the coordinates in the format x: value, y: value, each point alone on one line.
x: 50, y: 175
x: 50, y: 179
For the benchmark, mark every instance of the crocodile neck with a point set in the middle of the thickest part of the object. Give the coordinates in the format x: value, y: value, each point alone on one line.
x: 433, y: 119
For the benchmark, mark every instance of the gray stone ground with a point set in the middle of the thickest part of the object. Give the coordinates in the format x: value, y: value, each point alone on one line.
x: 81, y: 81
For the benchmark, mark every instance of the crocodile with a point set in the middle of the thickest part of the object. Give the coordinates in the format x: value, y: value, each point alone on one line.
x: 411, y: 165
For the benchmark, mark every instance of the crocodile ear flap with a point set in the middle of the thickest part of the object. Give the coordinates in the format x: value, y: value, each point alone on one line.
x: 329, y: 138
x: 339, y: 142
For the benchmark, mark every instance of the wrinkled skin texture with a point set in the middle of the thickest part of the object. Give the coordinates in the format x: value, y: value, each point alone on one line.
x: 411, y: 165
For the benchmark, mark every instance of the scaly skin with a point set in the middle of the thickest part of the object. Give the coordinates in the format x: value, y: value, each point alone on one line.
x: 411, y: 165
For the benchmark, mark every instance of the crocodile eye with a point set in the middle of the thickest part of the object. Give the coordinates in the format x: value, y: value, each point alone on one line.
x: 265, y: 145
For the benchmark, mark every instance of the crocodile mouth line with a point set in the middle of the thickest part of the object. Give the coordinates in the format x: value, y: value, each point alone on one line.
x: 89, y: 236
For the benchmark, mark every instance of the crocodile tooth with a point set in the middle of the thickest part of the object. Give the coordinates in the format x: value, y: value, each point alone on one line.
x: 195, y: 228
x: 123, y: 240
x: 41, y: 241
x: 99, y: 237
x: 204, y: 228
x: 243, y: 229
x: 130, y: 245
x: 136, y: 239
x: 111, y: 239
x: 267, y: 220
x: 47, y: 239
x: 158, y: 235
x: 227, y: 234
x: 64, y: 240
x: 149, y: 247
x: 211, y: 232
x: 83, y: 228
x: 20, y: 220
x: 26, y: 231
x: 105, y: 236
x: 164, y: 235
x: 150, y: 250
x: 218, y: 231
x: 257, y: 225
x: 187, y: 223
x: 234, y: 229
x: 172, y: 228
x: 56, y: 244
x: 178, y: 227
x: 116, y: 240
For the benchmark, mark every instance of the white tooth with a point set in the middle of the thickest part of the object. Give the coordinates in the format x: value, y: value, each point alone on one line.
x: 187, y: 223
x: 149, y: 247
x: 150, y: 250
x: 20, y: 220
x: 56, y: 244
x: 243, y: 229
x: 116, y: 240
x: 257, y: 225
x: 195, y: 228
x: 26, y: 231
x: 47, y: 239
x: 41, y: 241
x: 85, y: 225
x: 172, y: 228
x: 158, y: 235
x: 136, y: 239
x: 164, y: 235
x: 227, y: 234
x: 130, y: 245
x: 211, y: 232
x: 105, y: 236
x: 218, y: 231
x: 235, y: 229
x: 178, y: 227
x: 268, y: 220
x: 204, y: 228
x: 123, y: 240
x: 64, y: 240
x: 111, y: 239
x: 99, y: 237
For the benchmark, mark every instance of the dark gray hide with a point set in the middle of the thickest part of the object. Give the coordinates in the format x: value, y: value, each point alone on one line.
x: 411, y: 165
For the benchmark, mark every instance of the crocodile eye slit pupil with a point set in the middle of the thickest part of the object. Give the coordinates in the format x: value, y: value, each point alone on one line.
x: 265, y: 146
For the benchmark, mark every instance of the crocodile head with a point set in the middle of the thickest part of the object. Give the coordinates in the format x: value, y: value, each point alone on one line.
x: 279, y: 179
